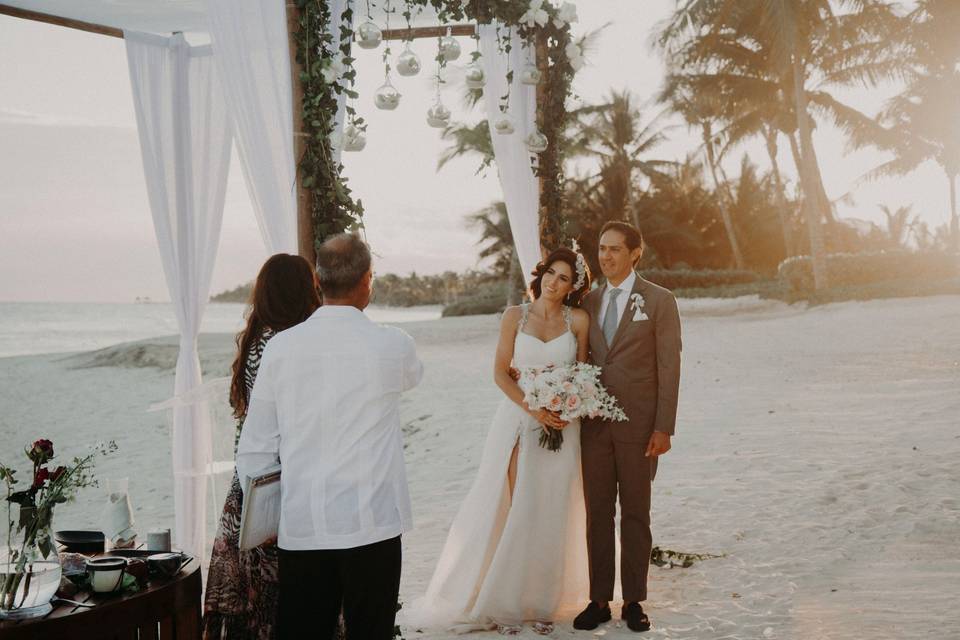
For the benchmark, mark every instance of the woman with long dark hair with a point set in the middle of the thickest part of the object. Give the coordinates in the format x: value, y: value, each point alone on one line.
x: 515, y: 551
x: 242, y: 586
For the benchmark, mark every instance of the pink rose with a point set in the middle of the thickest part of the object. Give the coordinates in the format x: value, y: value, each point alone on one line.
x: 573, y: 402
x: 555, y: 403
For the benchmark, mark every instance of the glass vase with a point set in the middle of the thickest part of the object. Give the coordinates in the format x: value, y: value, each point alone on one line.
x: 28, y: 581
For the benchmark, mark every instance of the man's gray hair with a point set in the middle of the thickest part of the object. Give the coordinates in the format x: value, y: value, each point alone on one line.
x: 342, y: 261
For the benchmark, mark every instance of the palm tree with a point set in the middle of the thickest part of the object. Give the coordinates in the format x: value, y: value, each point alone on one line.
x: 768, y: 52
x: 899, y: 224
x: 701, y: 111
x: 467, y: 140
x: 619, y: 139
x: 496, y: 240
x: 922, y: 120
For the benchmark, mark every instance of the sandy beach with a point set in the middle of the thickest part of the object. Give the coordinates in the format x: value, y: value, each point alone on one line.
x: 817, y: 450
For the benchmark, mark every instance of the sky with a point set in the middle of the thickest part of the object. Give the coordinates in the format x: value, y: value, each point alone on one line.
x: 75, y: 222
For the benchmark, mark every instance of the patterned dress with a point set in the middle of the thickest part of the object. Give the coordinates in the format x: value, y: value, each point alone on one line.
x: 242, y: 587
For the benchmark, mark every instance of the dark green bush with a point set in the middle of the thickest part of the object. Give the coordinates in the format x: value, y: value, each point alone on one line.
x: 856, y: 269
x: 698, y: 279
x: 488, y: 298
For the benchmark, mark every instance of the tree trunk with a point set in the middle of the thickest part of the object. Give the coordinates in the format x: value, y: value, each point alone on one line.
x: 807, y: 177
x: 954, y: 220
x: 771, y: 137
x: 721, y: 200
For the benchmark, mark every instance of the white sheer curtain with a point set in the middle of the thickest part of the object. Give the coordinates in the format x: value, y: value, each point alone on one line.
x: 252, y: 56
x: 185, y: 144
x: 521, y: 189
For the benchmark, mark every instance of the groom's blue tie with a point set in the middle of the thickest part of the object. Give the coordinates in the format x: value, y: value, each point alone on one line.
x: 611, y: 317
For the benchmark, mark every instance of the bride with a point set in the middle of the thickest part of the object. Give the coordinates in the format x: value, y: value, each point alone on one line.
x: 516, y: 551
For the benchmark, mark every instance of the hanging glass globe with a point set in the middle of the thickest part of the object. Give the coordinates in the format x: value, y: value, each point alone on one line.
x: 369, y: 35
x: 449, y: 48
x: 386, y: 97
x: 353, y: 139
x: 408, y: 63
x: 530, y: 75
x: 503, y: 125
x: 438, y: 116
x: 475, y: 76
x: 537, y: 142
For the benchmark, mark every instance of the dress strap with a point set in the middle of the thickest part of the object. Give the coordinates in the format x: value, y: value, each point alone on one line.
x: 524, y: 314
x: 568, y: 317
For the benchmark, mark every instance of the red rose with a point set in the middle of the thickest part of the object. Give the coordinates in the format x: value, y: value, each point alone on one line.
x: 39, y: 477
x: 41, y: 451
x: 59, y: 471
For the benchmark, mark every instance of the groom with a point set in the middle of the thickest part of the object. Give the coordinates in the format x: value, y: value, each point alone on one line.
x: 635, y: 339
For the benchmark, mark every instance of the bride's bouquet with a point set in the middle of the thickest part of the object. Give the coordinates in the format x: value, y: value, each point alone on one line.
x: 572, y: 391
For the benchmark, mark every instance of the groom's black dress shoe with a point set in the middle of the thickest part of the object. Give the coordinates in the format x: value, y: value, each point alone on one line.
x: 592, y: 617
x: 636, y: 619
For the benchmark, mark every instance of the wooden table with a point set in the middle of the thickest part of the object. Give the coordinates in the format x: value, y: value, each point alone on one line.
x: 165, y: 610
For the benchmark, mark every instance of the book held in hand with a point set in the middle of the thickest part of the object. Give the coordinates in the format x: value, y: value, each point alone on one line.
x: 260, y: 519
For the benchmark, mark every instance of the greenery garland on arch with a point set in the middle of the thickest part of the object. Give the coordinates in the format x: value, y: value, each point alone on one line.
x: 325, y: 74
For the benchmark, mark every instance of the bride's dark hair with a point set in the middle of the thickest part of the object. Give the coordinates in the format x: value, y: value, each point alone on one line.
x: 570, y: 257
x: 285, y: 294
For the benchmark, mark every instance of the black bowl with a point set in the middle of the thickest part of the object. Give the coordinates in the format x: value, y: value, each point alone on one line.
x: 80, y: 541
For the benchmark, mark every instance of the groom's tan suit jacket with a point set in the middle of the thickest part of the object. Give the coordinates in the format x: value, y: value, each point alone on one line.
x: 641, y: 367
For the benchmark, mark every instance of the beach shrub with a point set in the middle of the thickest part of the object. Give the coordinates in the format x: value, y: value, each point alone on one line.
x: 491, y: 298
x: 762, y: 288
x: 911, y: 288
x: 858, y: 269
x: 675, y: 279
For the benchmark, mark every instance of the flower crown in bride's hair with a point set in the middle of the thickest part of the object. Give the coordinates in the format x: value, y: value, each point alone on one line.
x: 581, y: 268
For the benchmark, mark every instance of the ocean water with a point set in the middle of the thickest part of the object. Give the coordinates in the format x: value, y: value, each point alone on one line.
x: 52, y: 327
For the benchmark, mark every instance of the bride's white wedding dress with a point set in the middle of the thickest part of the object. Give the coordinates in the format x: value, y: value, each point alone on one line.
x: 509, y: 561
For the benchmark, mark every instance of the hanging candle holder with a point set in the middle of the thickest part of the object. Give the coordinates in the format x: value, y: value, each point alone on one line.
x: 438, y: 116
x: 386, y: 97
x: 476, y: 77
x: 369, y: 35
x: 408, y: 62
x: 354, y: 139
x: 530, y: 75
x: 503, y: 125
x: 449, y: 47
x: 537, y: 142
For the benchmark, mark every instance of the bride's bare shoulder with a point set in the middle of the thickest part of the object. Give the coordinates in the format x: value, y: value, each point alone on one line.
x: 580, y: 317
x: 511, y: 315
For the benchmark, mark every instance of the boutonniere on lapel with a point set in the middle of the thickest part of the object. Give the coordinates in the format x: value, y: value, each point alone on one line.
x: 637, y: 304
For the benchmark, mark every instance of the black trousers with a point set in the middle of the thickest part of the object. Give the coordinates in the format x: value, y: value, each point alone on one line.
x: 363, y: 581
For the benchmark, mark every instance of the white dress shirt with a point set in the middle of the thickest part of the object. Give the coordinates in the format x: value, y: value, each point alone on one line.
x: 326, y: 403
x: 626, y: 288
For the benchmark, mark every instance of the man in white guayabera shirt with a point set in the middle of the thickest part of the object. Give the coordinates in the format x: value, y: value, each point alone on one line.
x: 326, y: 403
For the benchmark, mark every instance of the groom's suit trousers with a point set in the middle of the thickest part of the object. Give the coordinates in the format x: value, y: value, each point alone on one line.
x: 609, y: 466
